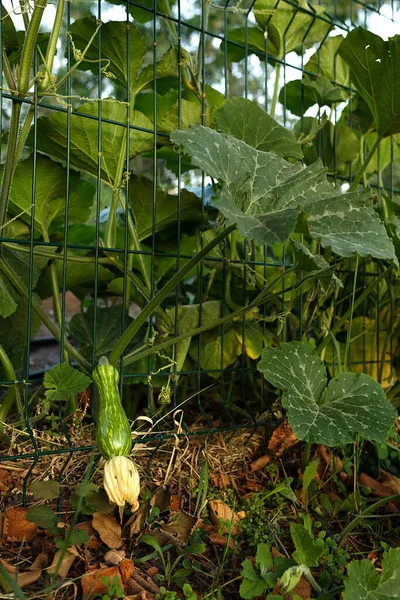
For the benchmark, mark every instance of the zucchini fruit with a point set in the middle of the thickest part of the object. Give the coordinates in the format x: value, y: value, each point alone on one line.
x: 113, y: 432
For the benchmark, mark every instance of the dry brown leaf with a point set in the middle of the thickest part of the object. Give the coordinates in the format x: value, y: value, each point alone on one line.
x: 126, y: 568
x: 301, y: 589
x: 114, y: 557
x: 390, y: 481
x: 220, y: 513
x: 68, y: 558
x: 8, y: 567
x: 108, y: 529
x: 221, y: 480
x: 92, y: 584
x: 260, y: 463
x: 220, y: 540
x: 40, y: 562
x: 180, y: 525
x: 24, y: 579
x: 16, y: 528
x: 378, y: 489
x: 282, y: 439
x: 175, y: 503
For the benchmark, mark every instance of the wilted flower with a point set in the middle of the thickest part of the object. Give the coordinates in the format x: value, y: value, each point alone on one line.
x: 122, y: 481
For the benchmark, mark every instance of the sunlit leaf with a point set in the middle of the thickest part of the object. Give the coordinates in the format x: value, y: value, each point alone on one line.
x: 247, y: 121
x: 63, y: 381
x: 265, y: 195
x: 114, y: 47
x: 374, y: 65
x: 364, y: 583
x: 350, y: 405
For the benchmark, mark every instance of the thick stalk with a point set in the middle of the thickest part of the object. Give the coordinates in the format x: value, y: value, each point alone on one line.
x: 28, y: 50
x: 163, y: 293
x: 261, y: 299
x: 348, y: 337
x: 136, y: 242
x: 111, y: 229
x: 43, y: 316
x: 9, y: 165
x: 12, y: 392
x: 56, y: 292
x: 276, y: 90
x: 365, y: 164
x: 8, y: 74
x: 170, y: 24
x: 52, y: 46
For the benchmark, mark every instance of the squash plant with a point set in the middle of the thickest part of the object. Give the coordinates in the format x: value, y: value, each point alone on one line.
x: 267, y: 188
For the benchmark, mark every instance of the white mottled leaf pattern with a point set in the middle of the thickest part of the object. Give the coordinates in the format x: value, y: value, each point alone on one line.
x: 264, y: 195
x: 332, y: 414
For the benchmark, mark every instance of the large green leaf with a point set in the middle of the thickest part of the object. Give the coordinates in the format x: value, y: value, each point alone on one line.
x: 242, y: 41
x: 83, y: 275
x: 51, y: 185
x: 63, y: 381
x: 264, y: 195
x: 298, y: 95
x: 102, y: 328
x: 350, y: 405
x: 290, y: 28
x: 84, y: 152
x: 326, y: 61
x: 168, y: 207
x: 364, y: 583
x: 247, y: 121
x: 374, y: 65
x: 167, y: 66
x: 308, y: 550
x: 114, y: 48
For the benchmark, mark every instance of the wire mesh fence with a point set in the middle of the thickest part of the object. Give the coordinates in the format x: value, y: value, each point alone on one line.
x: 102, y: 212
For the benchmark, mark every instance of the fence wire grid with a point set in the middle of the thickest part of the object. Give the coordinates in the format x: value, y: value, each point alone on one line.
x: 103, y: 211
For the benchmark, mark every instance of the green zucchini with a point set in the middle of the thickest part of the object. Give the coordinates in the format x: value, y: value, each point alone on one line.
x: 113, y: 432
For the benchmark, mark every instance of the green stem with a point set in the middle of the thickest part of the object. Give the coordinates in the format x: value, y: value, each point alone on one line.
x: 9, y: 164
x: 390, y: 327
x: 12, y: 392
x: 310, y: 578
x: 276, y: 90
x: 348, y: 337
x: 261, y: 299
x: 347, y: 530
x: 110, y: 238
x: 357, y: 303
x: 170, y: 24
x: 28, y: 49
x: 52, y: 46
x: 136, y: 243
x: 305, y: 458
x: 24, y: 10
x: 43, y: 316
x: 204, y: 28
x: 163, y: 293
x: 8, y: 74
x: 365, y: 164
x: 24, y: 133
